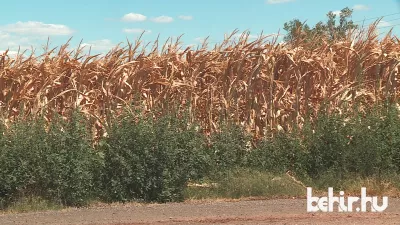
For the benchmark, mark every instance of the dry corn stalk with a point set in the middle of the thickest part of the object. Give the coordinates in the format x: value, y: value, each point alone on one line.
x: 261, y: 85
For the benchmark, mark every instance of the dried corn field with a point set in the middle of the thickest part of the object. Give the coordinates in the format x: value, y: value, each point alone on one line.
x: 261, y: 85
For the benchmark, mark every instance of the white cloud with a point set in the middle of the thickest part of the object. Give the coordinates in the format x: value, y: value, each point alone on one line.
x: 135, y: 31
x: 191, y: 45
x: 383, y: 23
x: 30, y: 35
x: 184, y: 47
x: 4, y: 36
x: 355, y: 8
x: 103, y: 45
x: 199, y: 39
x: 274, y: 35
x: 251, y: 36
x: 163, y: 19
x: 13, y: 42
x: 12, y: 54
x: 279, y: 1
x: 133, y: 17
x: 185, y: 17
x: 360, y: 7
x: 37, y: 28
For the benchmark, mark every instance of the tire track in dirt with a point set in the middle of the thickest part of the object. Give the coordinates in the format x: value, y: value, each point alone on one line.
x: 274, y: 211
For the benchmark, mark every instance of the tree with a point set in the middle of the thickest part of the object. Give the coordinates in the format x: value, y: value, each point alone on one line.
x: 298, y: 31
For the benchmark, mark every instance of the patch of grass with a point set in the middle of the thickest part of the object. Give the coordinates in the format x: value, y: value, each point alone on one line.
x: 375, y: 186
x: 33, y: 204
x: 243, y: 183
x: 387, y: 185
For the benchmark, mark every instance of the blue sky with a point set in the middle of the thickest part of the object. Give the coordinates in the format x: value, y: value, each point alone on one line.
x: 104, y: 23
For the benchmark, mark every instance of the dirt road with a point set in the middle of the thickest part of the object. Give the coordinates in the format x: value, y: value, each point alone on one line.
x: 280, y: 211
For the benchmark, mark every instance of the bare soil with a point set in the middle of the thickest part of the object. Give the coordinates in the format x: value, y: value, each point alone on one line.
x: 273, y: 211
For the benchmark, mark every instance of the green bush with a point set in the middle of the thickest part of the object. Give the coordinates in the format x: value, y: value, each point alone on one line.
x: 326, y: 145
x: 375, y: 145
x: 229, y: 147
x: 279, y: 154
x: 152, y: 160
x: 363, y: 145
x: 56, y: 165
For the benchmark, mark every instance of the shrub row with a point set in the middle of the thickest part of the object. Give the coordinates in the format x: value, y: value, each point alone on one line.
x: 336, y: 147
x: 144, y: 159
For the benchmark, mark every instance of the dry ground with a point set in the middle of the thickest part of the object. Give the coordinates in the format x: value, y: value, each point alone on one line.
x: 275, y: 211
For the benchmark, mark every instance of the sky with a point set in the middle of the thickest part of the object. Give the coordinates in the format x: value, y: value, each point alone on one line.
x: 102, y: 24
